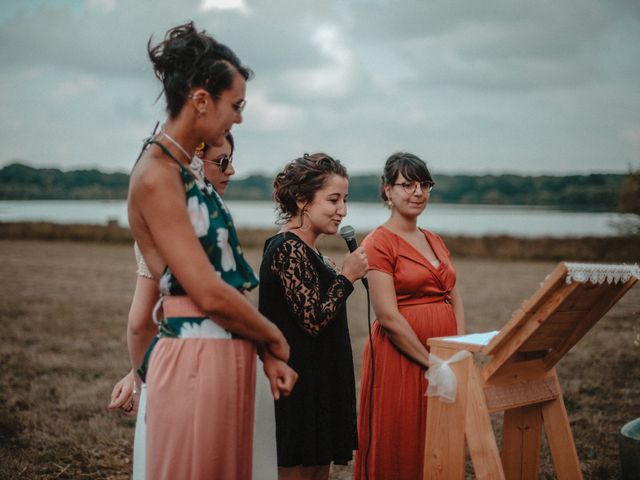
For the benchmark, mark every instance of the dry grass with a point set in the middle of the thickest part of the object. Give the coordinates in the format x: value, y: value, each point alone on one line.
x: 503, y: 247
x: 63, y: 313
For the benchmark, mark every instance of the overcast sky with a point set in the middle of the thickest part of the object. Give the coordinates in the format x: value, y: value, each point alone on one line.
x: 470, y: 86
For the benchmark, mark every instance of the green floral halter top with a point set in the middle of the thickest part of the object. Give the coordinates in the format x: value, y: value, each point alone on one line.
x: 214, y: 228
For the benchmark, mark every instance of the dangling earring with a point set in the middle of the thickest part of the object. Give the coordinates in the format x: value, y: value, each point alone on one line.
x: 201, y: 112
x: 302, y: 227
x: 389, y: 204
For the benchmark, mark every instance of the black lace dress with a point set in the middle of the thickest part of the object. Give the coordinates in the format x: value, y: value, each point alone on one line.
x: 301, y: 292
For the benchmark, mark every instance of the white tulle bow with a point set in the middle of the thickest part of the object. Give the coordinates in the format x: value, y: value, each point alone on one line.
x: 442, y: 380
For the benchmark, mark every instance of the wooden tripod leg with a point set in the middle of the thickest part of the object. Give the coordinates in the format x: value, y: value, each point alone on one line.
x: 479, y: 432
x: 444, y: 443
x: 521, y: 440
x: 563, y: 449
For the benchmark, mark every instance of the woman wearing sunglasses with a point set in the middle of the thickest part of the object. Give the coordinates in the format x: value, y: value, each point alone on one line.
x: 217, y: 163
x: 412, y: 284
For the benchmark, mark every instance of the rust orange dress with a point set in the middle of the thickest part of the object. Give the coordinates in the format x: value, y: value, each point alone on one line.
x: 399, y: 404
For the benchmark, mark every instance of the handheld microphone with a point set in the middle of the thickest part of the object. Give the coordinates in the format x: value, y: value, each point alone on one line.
x: 349, y: 234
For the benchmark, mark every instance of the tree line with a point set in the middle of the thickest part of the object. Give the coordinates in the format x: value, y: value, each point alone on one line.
x: 605, y: 192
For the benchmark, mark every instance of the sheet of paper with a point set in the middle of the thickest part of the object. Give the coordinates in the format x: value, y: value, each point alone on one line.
x: 473, y: 338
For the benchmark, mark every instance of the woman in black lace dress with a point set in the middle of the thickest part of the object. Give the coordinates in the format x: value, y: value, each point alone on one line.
x: 304, y: 294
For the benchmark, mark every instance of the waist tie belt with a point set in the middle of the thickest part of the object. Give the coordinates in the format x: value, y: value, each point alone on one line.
x: 182, y: 319
x: 424, y: 300
x: 180, y: 306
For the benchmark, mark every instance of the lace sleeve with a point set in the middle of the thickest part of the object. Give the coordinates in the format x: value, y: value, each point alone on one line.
x: 143, y: 269
x: 312, y: 308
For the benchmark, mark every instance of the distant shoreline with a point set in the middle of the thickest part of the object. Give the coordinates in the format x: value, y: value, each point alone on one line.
x: 500, y: 247
x: 232, y: 198
x: 589, y: 192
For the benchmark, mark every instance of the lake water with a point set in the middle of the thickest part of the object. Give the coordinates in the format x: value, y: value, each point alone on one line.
x: 441, y: 218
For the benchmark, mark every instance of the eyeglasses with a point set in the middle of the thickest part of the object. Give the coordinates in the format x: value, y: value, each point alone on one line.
x: 222, y: 162
x: 239, y: 106
x: 411, y: 187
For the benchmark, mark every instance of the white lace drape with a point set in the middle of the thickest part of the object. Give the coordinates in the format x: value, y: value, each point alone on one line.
x: 142, y: 269
x: 600, y: 273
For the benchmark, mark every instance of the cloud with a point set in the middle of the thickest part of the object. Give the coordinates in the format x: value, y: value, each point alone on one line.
x: 225, y: 5
x: 104, y: 6
x: 471, y: 86
x: 72, y: 88
x: 264, y: 115
x: 333, y: 78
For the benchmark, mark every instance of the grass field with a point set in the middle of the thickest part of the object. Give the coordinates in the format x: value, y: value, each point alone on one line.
x: 63, y: 313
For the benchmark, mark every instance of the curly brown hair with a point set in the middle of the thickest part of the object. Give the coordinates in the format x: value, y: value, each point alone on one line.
x: 300, y: 179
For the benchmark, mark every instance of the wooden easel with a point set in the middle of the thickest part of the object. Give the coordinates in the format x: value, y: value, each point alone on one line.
x: 519, y: 379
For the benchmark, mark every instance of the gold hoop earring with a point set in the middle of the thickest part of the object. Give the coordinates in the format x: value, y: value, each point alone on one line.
x: 302, y: 227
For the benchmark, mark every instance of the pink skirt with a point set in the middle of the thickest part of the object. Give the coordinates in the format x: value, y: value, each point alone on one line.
x: 200, y: 407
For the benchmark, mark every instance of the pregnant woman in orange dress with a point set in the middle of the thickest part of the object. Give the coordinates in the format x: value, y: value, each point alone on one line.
x: 412, y: 282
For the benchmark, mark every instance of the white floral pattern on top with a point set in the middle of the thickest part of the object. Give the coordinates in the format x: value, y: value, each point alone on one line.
x: 222, y: 204
x: 165, y: 283
x: 205, y: 329
x: 199, y: 216
x: 197, y: 167
x: 227, y: 260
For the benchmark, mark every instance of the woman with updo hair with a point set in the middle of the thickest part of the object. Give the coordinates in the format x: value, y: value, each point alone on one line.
x: 305, y: 294
x: 200, y: 373
x: 413, y: 290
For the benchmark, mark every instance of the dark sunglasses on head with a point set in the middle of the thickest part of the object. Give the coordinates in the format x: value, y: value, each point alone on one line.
x: 222, y: 162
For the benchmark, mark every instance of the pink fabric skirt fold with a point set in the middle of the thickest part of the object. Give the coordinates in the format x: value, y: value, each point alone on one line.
x: 200, y: 409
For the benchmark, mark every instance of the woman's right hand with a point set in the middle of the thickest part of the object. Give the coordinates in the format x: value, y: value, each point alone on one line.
x: 355, y: 265
x: 123, y: 395
x: 281, y: 376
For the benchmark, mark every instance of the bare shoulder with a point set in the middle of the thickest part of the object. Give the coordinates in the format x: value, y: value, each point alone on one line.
x: 154, y: 173
x: 156, y: 192
x: 154, y: 184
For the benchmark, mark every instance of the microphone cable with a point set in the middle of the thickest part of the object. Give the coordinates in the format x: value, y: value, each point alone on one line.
x: 366, y: 456
x: 349, y: 235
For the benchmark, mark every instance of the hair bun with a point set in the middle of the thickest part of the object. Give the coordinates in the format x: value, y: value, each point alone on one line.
x: 186, y: 59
